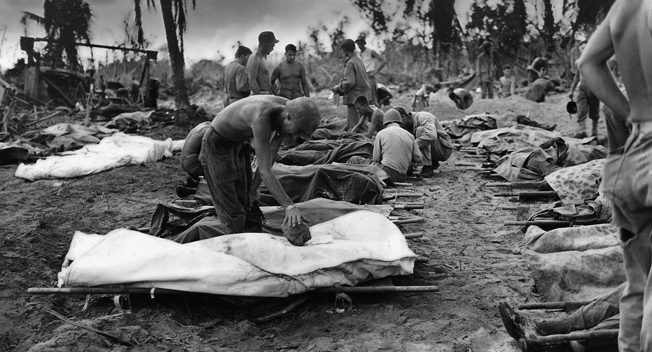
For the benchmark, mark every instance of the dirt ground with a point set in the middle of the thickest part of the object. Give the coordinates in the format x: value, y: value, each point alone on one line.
x: 473, y: 258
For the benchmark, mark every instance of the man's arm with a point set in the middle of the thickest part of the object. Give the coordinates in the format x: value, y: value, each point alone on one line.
x: 512, y: 86
x: 416, y: 153
x: 377, y: 153
x: 381, y: 62
x: 428, y: 134
x: 593, y: 67
x: 267, y: 143
x: 348, y: 81
x: 373, y: 122
x: 252, y: 72
x: 358, y: 125
x: 304, y: 82
x: 276, y: 74
x: 576, y: 80
x: 477, y: 64
x: 242, y: 81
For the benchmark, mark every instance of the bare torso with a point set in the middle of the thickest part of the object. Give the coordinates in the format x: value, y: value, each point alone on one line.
x: 236, y: 121
x: 631, y: 32
x: 289, y: 75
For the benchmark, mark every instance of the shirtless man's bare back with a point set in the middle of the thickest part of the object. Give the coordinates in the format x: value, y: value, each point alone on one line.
x: 261, y: 122
x: 291, y: 76
x: 627, y: 177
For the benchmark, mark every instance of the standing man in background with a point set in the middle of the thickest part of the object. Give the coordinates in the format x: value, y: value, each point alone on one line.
x: 236, y: 82
x: 354, y: 84
x: 486, y: 70
x: 373, y: 63
x: 291, y: 76
x: 256, y: 65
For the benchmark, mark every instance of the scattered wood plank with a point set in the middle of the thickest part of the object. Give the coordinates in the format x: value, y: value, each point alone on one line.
x: 526, y: 195
x: 409, y: 205
x: 413, y: 235
x: 412, y: 220
x: 524, y: 184
x: 541, y: 223
x: 390, y: 195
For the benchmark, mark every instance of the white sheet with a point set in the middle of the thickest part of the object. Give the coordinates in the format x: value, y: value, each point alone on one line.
x: 114, y: 151
x: 344, y: 251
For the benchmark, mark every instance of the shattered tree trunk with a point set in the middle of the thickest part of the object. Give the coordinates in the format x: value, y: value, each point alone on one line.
x: 177, y: 64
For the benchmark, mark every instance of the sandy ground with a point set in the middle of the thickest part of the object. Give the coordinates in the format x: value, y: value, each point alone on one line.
x: 470, y: 255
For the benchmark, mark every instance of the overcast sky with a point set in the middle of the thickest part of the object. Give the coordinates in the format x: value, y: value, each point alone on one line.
x: 213, y: 26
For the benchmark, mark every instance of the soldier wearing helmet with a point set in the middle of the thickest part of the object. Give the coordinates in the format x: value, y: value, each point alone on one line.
x: 395, y: 148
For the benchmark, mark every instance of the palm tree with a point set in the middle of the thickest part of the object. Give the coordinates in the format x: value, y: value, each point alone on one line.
x: 66, y: 22
x: 174, y: 20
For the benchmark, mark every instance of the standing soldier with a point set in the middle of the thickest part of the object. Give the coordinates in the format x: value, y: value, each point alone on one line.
x: 291, y: 76
x: 256, y: 66
x: 236, y: 82
x: 486, y: 71
x: 373, y: 63
x: 354, y: 84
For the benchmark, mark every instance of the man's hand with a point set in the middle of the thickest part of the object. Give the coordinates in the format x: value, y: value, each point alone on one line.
x: 293, y: 216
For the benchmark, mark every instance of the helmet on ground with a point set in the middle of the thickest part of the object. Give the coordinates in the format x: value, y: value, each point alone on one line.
x: 462, y: 98
x: 391, y: 115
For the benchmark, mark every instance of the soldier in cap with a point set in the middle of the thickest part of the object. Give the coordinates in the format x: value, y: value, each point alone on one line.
x: 373, y: 63
x: 261, y: 122
x: 291, y: 76
x: 257, y: 71
x: 354, y: 84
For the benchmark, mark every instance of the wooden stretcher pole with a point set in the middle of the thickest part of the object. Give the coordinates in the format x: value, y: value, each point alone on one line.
x: 163, y: 291
x: 556, y: 223
x: 568, y: 306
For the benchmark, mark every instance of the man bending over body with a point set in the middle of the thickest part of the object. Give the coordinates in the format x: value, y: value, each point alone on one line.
x: 291, y: 76
x: 369, y: 115
x: 261, y: 122
x: 627, y: 174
